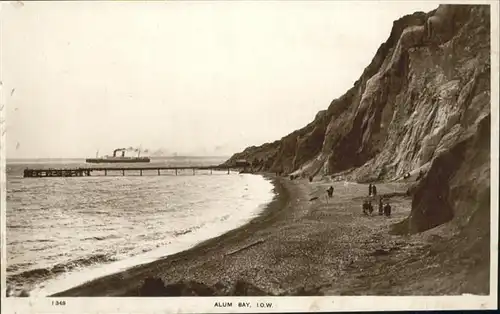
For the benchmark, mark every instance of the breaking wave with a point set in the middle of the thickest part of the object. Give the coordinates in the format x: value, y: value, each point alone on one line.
x: 40, y: 273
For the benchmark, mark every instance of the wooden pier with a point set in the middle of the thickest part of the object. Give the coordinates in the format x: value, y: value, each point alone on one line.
x: 123, y: 171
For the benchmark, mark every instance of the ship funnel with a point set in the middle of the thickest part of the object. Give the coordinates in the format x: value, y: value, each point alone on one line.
x: 117, y: 150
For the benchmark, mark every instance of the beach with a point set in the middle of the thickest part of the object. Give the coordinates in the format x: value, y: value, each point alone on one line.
x: 299, y: 246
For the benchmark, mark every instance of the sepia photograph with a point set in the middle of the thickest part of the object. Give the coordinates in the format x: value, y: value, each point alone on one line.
x: 248, y: 153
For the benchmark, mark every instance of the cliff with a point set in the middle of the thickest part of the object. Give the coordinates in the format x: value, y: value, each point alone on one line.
x: 422, y: 104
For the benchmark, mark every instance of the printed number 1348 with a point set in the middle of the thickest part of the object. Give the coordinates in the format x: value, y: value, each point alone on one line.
x: 58, y: 302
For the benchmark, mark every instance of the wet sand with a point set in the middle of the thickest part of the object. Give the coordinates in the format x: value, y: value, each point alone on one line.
x: 302, y: 247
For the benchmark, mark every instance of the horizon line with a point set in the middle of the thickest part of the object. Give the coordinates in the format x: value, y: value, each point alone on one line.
x: 168, y: 156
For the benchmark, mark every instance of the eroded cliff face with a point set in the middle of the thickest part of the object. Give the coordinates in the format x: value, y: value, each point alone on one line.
x: 424, y: 98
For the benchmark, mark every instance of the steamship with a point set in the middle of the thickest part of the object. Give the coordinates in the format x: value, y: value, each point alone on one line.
x: 117, y: 159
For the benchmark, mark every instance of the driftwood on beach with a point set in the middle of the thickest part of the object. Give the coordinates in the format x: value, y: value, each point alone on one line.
x: 245, y: 247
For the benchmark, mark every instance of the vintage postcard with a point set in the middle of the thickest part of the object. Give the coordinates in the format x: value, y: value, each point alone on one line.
x: 248, y: 156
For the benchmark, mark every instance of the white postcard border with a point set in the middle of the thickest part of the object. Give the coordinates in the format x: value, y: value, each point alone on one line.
x: 279, y: 304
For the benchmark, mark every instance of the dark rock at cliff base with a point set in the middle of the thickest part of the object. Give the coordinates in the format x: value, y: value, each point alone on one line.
x: 458, y: 184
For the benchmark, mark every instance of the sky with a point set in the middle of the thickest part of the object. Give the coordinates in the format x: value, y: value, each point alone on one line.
x: 191, y: 78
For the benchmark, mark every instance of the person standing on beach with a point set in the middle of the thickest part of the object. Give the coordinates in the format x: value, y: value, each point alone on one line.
x: 387, y: 209
x: 374, y: 190
x: 370, y: 189
x: 380, y: 207
x: 370, y: 208
x: 330, y: 191
x: 365, y: 207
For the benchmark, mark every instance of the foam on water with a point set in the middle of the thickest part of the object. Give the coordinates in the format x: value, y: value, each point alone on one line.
x: 62, y: 232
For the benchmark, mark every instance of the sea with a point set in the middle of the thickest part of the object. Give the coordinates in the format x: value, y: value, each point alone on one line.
x: 62, y: 232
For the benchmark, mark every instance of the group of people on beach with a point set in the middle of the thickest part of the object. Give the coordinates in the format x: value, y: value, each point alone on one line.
x: 384, y: 208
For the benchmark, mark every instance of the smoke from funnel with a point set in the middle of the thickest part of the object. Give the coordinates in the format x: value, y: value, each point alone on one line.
x: 130, y: 149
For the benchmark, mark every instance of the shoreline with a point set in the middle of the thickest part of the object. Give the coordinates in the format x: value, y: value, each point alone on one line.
x: 304, y: 244
x: 278, y: 202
